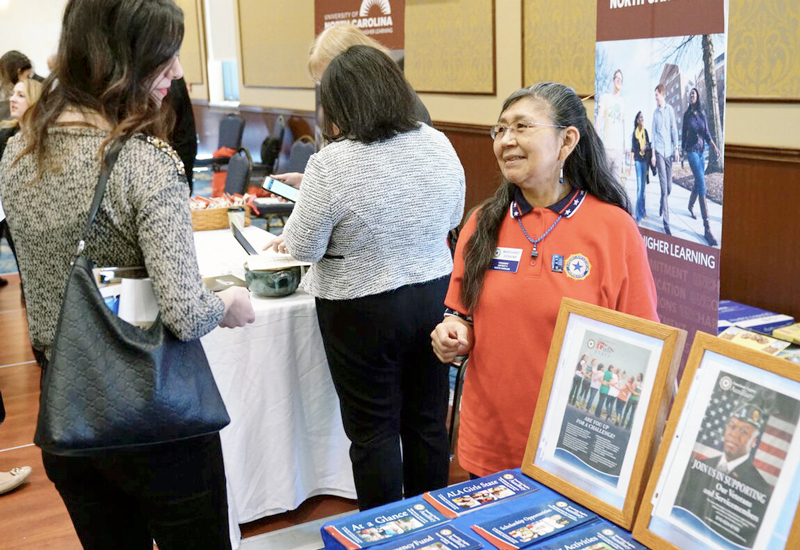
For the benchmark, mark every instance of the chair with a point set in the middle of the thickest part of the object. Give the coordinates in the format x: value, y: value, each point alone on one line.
x: 271, y: 148
x: 286, y: 138
x: 237, y: 178
x: 302, y: 149
x: 231, y: 130
x: 460, y: 364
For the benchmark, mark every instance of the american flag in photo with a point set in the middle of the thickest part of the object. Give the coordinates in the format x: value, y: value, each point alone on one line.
x: 772, y: 449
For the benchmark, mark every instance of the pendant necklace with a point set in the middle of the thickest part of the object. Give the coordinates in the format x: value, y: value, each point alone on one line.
x: 534, y: 252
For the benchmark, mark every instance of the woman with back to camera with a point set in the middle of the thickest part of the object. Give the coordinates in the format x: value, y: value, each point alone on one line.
x: 373, y: 216
x: 116, y: 61
x: 694, y: 138
x: 326, y: 46
x: 560, y: 219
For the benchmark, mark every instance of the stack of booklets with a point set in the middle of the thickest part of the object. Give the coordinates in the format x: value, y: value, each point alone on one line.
x: 506, y: 510
x: 753, y: 318
x: 404, y: 520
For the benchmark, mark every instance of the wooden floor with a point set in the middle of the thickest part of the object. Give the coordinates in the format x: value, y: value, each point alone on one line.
x: 33, y: 516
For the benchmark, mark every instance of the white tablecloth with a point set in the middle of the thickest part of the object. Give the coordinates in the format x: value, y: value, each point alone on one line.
x: 285, y: 442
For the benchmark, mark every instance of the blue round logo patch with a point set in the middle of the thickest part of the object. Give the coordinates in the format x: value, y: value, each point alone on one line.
x: 577, y: 267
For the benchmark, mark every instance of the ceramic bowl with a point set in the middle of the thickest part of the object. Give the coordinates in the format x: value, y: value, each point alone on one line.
x: 274, y: 283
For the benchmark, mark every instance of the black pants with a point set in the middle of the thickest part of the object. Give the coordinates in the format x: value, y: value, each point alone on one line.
x: 173, y: 493
x: 391, y: 389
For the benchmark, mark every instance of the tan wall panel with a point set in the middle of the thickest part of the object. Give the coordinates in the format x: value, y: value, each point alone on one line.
x: 192, y: 49
x: 764, y: 49
x: 274, y: 36
x: 558, y: 43
x: 759, y: 124
x: 450, y: 46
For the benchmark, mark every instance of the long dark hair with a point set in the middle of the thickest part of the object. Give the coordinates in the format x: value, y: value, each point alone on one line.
x: 108, y: 55
x: 366, y: 97
x: 585, y: 168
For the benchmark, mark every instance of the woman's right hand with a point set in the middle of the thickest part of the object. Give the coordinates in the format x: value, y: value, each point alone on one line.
x: 278, y: 244
x: 238, y: 309
x: 451, y: 338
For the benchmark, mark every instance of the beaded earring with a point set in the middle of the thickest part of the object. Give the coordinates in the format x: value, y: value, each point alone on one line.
x: 561, y: 174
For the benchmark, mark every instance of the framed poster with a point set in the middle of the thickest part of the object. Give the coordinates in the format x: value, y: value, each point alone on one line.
x: 602, y: 407
x: 727, y: 474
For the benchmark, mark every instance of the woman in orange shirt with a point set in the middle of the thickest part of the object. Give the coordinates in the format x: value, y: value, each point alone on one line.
x: 557, y: 226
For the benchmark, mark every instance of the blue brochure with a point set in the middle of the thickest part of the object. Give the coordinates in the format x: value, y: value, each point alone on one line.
x: 477, y: 493
x: 596, y: 535
x: 441, y: 538
x: 380, y: 524
x: 533, y: 524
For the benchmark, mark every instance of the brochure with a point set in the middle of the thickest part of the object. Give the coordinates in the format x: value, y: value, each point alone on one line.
x: 472, y: 495
x: 443, y: 538
x: 380, y: 524
x: 749, y: 317
x: 272, y: 261
x: 534, y: 524
x: 790, y: 333
x: 595, y: 535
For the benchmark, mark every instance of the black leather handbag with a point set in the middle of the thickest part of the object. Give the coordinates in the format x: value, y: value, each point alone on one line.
x: 110, y: 385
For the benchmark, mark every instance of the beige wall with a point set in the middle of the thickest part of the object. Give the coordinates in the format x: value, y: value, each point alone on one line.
x: 761, y: 124
x: 757, y: 69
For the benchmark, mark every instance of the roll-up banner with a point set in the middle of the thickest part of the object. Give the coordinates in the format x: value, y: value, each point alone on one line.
x: 660, y: 110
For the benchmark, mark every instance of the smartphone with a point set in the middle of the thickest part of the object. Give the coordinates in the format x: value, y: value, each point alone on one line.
x: 281, y: 189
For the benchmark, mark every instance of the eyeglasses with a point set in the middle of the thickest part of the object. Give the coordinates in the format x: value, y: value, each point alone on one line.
x: 499, y: 130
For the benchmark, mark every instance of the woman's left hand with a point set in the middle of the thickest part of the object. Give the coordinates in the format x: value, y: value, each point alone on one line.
x: 278, y: 244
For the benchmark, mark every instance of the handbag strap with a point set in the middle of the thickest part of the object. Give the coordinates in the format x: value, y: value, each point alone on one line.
x: 105, y: 171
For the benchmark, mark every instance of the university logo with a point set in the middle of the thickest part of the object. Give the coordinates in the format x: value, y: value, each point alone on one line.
x: 382, y: 5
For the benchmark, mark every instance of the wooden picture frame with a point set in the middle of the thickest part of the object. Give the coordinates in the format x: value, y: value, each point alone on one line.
x: 727, y: 474
x: 602, y: 463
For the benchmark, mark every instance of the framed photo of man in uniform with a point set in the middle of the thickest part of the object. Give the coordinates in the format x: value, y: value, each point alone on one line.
x: 726, y: 476
x: 602, y: 407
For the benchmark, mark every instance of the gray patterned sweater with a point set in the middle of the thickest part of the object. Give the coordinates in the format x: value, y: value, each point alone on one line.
x: 374, y: 217
x: 144, y: 219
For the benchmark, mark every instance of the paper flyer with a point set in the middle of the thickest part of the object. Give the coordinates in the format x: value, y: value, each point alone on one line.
x: 444, y: 538
x: 373, y: 526
x: 534, y: 524
x: 272, y: 262
x: 475, y: 494
x: 596, y: 535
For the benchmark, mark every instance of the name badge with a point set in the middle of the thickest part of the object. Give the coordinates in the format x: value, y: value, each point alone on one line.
x: 506, y: 259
